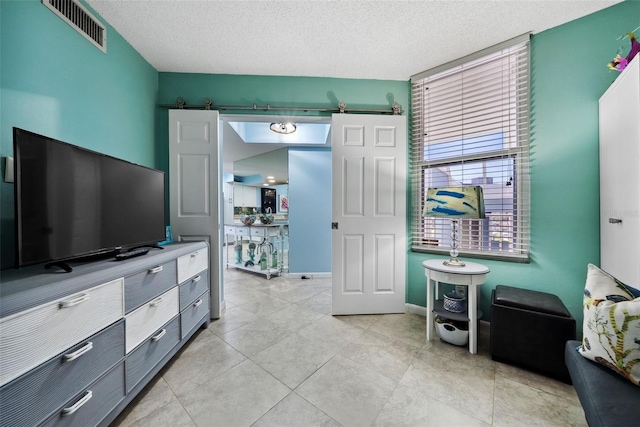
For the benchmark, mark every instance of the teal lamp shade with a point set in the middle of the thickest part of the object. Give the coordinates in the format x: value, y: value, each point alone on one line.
x: 454, y: 203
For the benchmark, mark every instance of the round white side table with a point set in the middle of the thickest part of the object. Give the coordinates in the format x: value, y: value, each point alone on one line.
x: 471, y: 275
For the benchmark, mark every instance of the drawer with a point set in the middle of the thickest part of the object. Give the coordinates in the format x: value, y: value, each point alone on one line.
x: 192, y: 315
x: 242, y: 230
x: 94, y: 403
x: 142, y: 360
x: 143, y: 321
x: 265, y: 231
x: 34, y: 396
x: 451, y: 278
x: 258, y: 231
x: 229, y: 229
x: 192, y: 264
x: 193, y: 288
x: 34, y: 336
x: 146, y: 285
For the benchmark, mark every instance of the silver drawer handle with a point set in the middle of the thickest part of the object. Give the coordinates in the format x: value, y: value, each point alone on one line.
x: 195, y: 254
x: 197, y: 303
x: 79, y: 352
x: 196, y: 279
x: 156, y: 302
x: 614, y: 221
x: 160, y: 335
x: 74, y: 301
x: 73, y: 408
x: 155, y: 270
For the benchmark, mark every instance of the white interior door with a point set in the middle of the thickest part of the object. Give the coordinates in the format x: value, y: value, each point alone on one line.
x: 194, y: 187
x: 369, y: 210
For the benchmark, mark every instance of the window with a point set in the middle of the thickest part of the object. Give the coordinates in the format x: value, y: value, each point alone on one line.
x: 471, y: 127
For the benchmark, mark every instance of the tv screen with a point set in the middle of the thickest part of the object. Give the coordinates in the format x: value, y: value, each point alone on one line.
x: 72, y: 202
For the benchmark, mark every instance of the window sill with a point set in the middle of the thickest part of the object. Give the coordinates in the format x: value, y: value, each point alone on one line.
x: 522, y: 259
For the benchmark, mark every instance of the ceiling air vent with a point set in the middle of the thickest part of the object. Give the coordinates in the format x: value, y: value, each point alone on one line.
x: 76, y: 15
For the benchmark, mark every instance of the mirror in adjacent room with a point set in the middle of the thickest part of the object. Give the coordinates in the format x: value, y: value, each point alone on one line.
x: 266, y: 171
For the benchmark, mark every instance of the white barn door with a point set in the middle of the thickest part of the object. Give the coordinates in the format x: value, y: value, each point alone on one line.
x: 369, y: 230
x: 194, y: 187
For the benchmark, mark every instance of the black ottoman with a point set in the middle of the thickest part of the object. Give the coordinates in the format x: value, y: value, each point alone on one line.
x: 529, y: 329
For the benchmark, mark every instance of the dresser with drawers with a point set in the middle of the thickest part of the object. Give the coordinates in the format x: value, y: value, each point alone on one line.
x: 76, y: 348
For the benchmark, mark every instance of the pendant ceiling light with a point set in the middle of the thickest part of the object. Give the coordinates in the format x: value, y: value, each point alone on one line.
x: 285, y: 128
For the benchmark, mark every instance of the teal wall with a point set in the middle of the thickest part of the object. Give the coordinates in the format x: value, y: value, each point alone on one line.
x: 240, y: 90
x: 54, y: 82
x: 569, y: 75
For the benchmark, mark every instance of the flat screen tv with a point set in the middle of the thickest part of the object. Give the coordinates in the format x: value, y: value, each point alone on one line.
x: 72, y: 203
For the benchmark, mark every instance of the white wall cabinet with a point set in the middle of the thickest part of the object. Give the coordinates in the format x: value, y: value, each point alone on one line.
x: 245, y: 196
x: 620, y: 176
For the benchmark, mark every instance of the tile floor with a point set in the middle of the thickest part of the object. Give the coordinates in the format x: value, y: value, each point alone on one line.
x: 278, y: 358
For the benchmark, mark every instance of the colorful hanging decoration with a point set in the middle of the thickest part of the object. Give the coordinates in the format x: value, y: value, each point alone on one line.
x: 619, y: 63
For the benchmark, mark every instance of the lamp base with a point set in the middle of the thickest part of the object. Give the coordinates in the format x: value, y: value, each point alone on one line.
x: 454, y: 262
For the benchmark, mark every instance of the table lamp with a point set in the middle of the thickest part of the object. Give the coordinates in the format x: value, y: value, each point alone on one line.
x: 454, y: 203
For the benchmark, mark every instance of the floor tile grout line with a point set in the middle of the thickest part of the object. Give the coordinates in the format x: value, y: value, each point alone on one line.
x: 446, y: 402
x: 496, y: 374
x: 270, y: 409
x: 197, y: 385
x: 179, y: 401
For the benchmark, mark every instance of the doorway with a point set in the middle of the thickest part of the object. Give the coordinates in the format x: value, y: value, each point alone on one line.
x: 245, y: 160
x: 367, y: 195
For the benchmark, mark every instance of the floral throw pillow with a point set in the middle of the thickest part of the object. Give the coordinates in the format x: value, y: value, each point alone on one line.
x: 611, y: 329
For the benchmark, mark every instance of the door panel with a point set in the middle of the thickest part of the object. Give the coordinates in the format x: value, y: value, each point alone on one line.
x: 193, y: 171
x: 353, y: 186
x: 385, y: 270
x: 353, y: 255
x: 385, y: 195
x: 195, y: 187
x: 369, y: 205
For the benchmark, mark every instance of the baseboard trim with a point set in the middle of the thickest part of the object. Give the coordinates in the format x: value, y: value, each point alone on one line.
x: 416, y: 309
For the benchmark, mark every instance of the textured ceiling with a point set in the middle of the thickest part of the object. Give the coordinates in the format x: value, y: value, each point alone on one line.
x: 364, y: 39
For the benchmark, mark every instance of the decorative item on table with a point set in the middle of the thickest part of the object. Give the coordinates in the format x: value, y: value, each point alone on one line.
x: 454, y: 302
x: 454, y: 203
x: 252, y: 252
x: 263, y: 261
x: 452, y: 331
x: 274, y: 259
x: 248, y: 219
x: 238, y: 249
x: 266, y: 219
x: 168, y: 236
x: 619, y: 63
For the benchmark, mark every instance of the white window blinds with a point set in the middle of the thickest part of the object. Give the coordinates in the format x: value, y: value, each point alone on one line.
x: 470, y: 126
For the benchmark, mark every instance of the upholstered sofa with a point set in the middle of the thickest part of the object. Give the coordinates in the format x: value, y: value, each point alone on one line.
x: 608, y: 399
